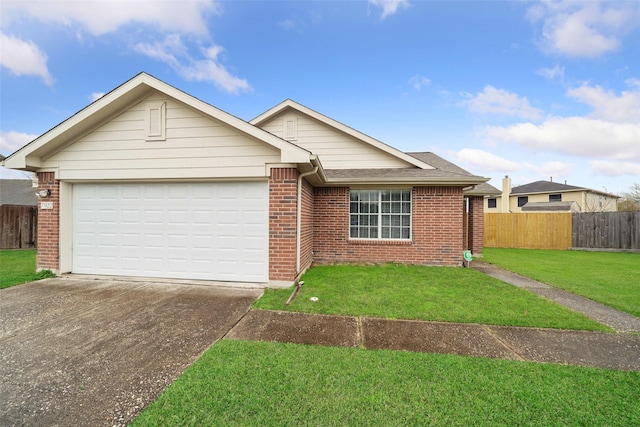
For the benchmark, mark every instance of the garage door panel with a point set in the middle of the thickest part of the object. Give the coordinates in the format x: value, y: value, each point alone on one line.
x: 175, y: 230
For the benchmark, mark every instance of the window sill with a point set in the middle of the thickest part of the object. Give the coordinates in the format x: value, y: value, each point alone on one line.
x: 383, y: 242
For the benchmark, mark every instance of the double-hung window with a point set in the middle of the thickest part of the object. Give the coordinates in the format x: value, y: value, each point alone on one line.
x: 380, y: 214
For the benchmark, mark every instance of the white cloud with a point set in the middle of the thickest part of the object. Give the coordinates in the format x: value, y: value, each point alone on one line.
x: 607, y: 105
x: 23, y: 57
x: 500, y: 101
x: 550, y: 169
x: 389, y: 7
x: 552, y: 73
x: 12, y: 141
x: 418, y: 82
x: 173, y: 52
x: 483, y: 161
x: 584, y: 29
x: 96, y: 95
x: 600, y: 167
x: 100, y: 17
x: 577, y: 136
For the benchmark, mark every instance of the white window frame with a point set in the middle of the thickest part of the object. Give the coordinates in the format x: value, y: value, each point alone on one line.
x: 380, y: 214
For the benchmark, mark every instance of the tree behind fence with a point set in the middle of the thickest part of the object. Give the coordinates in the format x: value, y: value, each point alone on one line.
x: 18, y: 227
x: 606, y: 230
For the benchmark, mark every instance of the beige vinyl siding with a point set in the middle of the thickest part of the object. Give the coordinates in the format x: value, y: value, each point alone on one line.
x: 196, y: 146
x: 335, y: 149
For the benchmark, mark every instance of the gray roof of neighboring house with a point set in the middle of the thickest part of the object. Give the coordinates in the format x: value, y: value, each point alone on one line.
x: 445, y: 172
x: 19, y: 192
x: 544, y: 187
x: 568, y: 206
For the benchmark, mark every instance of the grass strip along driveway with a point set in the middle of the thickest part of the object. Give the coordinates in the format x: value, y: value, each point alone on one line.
x: 19, y: 266
x: 423, y: 293
x: 239, y: 383
x: 609, y: 278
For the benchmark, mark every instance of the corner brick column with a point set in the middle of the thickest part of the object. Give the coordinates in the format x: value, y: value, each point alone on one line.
x: 283, y: 207
x: 48, y: 224
x: 476, y: 224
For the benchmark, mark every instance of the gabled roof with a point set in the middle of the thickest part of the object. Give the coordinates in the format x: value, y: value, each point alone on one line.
x: 290, y: 104
x: 551, y: 187
x: 124, y: 96
x: 544, y: 187
x: 484, y: 189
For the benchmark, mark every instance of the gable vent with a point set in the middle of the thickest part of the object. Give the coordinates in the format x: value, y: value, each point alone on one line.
x: 291, y: 128
x: 155, y: 121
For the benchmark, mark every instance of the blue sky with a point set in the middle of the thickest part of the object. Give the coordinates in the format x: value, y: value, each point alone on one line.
x: 528, y: 89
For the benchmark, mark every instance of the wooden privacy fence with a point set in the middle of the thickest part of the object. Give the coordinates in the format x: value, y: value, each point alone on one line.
x: 527, y: 230
x: 18, y: 227
x: 606, y: 230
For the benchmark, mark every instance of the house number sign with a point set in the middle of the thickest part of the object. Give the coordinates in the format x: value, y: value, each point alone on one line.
x: 46, y: 205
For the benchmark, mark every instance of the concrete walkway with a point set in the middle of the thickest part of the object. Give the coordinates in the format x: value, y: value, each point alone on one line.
x: 615, y: 319
x: 582, y: 348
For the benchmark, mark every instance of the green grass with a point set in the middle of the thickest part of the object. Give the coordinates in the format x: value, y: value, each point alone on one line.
x: 610, y: 278
x: 423, y: 293
x: 19, y: 266
x: 238, y: 383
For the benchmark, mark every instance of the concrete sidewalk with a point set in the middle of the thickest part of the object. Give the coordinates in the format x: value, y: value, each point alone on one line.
x: 582, y: 348
x: 615, y: 319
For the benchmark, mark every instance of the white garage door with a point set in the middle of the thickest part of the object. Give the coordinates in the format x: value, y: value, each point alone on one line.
x: 174, y: 230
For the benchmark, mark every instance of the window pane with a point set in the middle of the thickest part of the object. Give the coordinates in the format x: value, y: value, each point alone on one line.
x: 385, y: 195
x: 395, y: 233
x: 396, y: 196
x: 386, y: 207
x: 353, y: 232
x: 406, y: 207
x: 385, y: 232
x: 406, y: 196
x: 405, y: 233
x: 364, y: 207
x: 385, y: 220
x: 395, y: 207
x: 353, y: 196
x: 373, y: 233
x: 373, y: 220
x: 364, y: 220
x: 364, y: 233
x: 353, y: 207
x: 395, y: 221
x: 354, y: 220
x: 406, y: 221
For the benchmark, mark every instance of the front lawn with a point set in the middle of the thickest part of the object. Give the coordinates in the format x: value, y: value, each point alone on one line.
x: 610, y: 278
x: 423, y: 293
x: 239, y: 383
x: 19, y: 266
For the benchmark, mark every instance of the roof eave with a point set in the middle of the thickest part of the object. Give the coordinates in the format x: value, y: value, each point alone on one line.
x: 406, y: 181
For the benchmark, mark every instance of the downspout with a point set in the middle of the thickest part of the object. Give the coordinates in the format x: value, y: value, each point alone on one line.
x: 299, y: 216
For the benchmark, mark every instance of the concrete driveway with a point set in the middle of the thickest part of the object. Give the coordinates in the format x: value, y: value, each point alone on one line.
x: 95, y: 352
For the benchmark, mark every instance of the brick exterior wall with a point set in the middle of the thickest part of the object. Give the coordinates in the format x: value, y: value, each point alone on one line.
x: 48, y: 257
x: 437, y: 227
x: 283, y: 193
x: 476, y: 224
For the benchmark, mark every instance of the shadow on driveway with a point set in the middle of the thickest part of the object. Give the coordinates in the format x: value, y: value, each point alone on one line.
x: 95, y: 352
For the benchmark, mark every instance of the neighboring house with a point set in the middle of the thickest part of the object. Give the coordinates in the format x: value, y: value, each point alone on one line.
x: 18, y: 213
x: 150, y: 181
x: 549, y: 196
